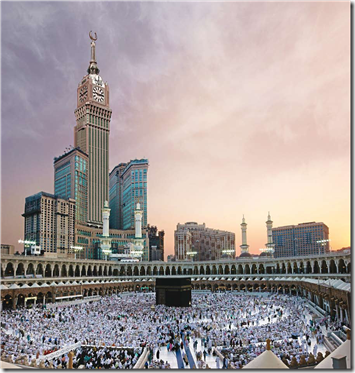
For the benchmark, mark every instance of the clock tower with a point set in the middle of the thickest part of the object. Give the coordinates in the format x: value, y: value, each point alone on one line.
x: 91, y: 135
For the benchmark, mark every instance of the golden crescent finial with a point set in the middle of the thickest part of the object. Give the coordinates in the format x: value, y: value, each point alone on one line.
x: 91, y: 37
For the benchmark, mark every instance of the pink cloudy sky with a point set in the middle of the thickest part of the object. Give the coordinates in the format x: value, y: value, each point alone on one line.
x: 241, y: 108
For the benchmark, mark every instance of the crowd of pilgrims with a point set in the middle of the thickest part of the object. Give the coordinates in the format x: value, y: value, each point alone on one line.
x: 236, y: 324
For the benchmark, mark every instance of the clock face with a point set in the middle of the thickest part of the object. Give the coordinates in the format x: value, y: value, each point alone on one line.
x: 98, y: 94
x: 83, y: 94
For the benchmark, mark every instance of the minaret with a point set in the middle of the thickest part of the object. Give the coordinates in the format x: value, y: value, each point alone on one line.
x: 244, y: 247
x: 105, y: 240
x: 137, y: 248
x: 269, y: 245
x: 138, y: 214
x: 106, y: 219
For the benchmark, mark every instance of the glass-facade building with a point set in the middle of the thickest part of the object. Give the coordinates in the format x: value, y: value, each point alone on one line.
x: 128, y: 185
x: 300, y: 240
x: 71, y: 180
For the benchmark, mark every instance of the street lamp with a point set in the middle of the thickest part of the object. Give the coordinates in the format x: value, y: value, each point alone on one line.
x: 27, y: 243
x: 322, y: 243
x: 76, y: 249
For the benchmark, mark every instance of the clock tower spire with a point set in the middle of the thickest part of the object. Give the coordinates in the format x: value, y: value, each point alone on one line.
x: 93, y: 69
x: 91, y: 134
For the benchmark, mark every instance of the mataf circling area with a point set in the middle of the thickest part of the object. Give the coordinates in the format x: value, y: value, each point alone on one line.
x: 220, y: 329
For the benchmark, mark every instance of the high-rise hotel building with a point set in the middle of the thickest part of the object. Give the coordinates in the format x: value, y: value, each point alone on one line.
x: 91, y: 135
x: 49, y: 220
x: 128, y: 185
x: 71, y: 180
x: 300, y: 240
x: 196, y: 242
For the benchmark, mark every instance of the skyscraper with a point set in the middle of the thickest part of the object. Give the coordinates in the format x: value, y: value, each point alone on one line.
x: 128, y: 185
x: 71, y: 180
x: 195, y: 241
x: 115, y: 183
x: 300, y: 240
x: 91, y: 135
x: 50, y: 220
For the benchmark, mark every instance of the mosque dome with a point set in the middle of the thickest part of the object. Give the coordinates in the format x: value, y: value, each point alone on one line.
x: 244, y: 255
x: 266, y: 254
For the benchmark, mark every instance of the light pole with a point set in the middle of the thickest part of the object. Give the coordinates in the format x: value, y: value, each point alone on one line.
x: 76, y: 249
x: 27, y: 243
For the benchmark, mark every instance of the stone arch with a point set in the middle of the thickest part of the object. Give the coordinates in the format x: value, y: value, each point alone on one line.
x: 226, y: 269
x: 30, y: 269
x: 308, y: 267
x: 283, y: 268
x: 332, y: 266
x: 105, y: 273
x: 135, y: 271
x: 71, y: 271
x: 202, y: 270
x: 295, y: 267
x: 247, y: 269
x: 233, y: 270
x: 115, y: 272
x: 83, y: 271
x: 48, y: 271
x: 142, y: 271
x: 254, y: 269
x: 161, y: 271
x: 20, y: 270
x: 122, y: 271
x: 261, y: 269
x: 56, y: 271
x: 110, y: 271
x: 39, y: 296
x: 63, y: 272
x: 155, y: 271
x: 21, y: 300
x: 220, y: 270
x: 39, y: 269
x: 289, y: 268
x: 94, y: 271
x: 324, y: 267
x: 173, y: 271
x: 214, y: 270
x: 278, y: 269
x: 9, y: 270
x: 149, y: 271
x: 7, y: 302
x: 179, y: 271
x: 208, y: 270
x: 240, y: 269
x: 341, y: 266
x: 185, y: 271
x: 77, y: 271
x: 348, y: 267
x: 195, y: 270
x: 167, y: 271
x: 129, y: 271
x: 100, y: 270
x: 89, y: 272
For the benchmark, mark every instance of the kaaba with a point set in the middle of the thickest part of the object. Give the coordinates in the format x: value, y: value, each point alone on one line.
x: 173, y: 291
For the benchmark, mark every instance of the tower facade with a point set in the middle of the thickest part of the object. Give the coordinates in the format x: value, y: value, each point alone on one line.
x: 50, y: 220
x: 71, y: 180
x: 128, y: 185
x: 91, y: 135
x: 300, y: 240
x: 244, y: 247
